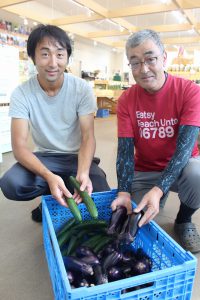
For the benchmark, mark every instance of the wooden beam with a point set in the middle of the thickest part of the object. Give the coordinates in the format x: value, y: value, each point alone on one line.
x: 167, y: 41
x: 190, y: 4
x: 5, y: 3
x: 125, y: 24
x: 107, y: 33
x: 181, y: 40
x: 141, y: 10
x: 75, y: 19
x: 159, y: 28
x: 30, y: 14
x: 170, y: 27
x: 103, y: 41
x: 94, y: 6
x: 190, y: 17
x: 71, y: 29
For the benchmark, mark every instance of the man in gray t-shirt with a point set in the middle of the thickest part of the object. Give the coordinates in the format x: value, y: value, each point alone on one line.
x: 58, y: 109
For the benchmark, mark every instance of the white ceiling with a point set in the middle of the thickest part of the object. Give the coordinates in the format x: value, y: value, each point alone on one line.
x: 111, y: 21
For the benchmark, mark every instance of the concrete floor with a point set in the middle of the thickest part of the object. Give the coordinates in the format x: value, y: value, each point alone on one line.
x: 23, y: 270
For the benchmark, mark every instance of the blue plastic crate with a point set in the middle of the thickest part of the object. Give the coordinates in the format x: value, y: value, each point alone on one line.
x: 102, y: 113
x: 173, y: 271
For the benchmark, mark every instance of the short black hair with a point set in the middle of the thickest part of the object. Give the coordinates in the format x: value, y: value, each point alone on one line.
x: 50, y: 31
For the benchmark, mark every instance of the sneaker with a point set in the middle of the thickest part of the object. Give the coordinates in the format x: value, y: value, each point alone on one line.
x: 36, y: 214
x: 188, y: 236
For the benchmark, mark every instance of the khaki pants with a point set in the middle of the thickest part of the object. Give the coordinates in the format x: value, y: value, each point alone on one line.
x: 187, y: 184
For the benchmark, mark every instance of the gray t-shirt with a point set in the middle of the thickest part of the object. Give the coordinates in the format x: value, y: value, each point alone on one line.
x: 54, y: 121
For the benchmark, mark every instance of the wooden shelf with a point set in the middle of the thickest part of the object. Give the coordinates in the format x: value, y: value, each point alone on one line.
x: 188, y: 75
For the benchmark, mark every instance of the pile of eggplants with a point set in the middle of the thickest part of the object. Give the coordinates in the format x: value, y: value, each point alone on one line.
x: 117, y: 260
x: 87, y: 268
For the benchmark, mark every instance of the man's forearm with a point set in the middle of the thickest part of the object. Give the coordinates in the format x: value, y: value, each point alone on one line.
x: 185, y: 143
x: 28, y: 160
x: 85, y: 155
x: 125, y: 164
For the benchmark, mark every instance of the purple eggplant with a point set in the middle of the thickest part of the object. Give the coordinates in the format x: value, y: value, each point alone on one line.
x: 142, y: 256
x: 83, y: 251
x: 130, y: 228
x: 99, y: 275
x: 115, y: 273
x: 140, y: 267
x: 126, y: 269
x: 75, y: 264
x: 126, y: 258
x: 117, y: 219
x: 90, y: 259
x: 70, y: 276
x: 111, y: 247
x: 111, y: 260
x: 80, y: 281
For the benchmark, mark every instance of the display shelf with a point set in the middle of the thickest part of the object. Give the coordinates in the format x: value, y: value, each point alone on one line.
x: 14, y: 39
x: 101, y: 84
x: 192, y: 75
x: 109, y: 84
x: 24, y: 36
x: 108, y: 93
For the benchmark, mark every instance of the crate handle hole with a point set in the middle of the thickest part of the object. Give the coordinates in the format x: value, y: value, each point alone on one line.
x: 136, y: 288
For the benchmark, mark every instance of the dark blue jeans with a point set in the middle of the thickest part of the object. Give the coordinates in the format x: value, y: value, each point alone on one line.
x: 20, y: 184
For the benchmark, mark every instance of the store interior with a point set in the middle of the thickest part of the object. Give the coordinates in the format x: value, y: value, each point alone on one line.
x: 98, y: 31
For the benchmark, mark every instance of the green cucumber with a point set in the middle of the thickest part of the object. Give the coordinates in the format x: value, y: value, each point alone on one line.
x: 69, y: 224
x: 102, y: 243
x: 64, y: 238
x: 93, y: 240
x: 90, y: 224
x: 74, y: 242
x: 74, y: 209
x: 85, y: 197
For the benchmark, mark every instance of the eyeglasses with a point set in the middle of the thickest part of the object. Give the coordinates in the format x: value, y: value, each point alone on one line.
x: 149, y: 62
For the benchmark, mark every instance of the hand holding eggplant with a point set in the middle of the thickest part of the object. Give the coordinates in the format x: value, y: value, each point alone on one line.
x: 150, y: 200
x: 123, y: 199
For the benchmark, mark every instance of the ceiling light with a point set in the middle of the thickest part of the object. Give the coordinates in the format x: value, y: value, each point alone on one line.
x: 121, y: 28
x: 166, y: 1
x: 179, y: 16
x: 89, y: 12
x: 191, y: 31
x: 76, y: 3
x: 25, y: 21
x: 71, y: 35
x: 110, y: 21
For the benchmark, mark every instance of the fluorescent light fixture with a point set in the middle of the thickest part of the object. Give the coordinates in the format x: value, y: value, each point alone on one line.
x: 25, y: 21
x: 76, y: 3
x: 111, y: 22
x: 71, y: 35
x: 179, y: 16
x: 89, y: 12
x: 166, y: 1
x: 121, y: 28
x: 191, y: 31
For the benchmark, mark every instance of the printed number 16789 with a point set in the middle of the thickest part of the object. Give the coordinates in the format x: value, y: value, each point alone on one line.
x: 153, y: 132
